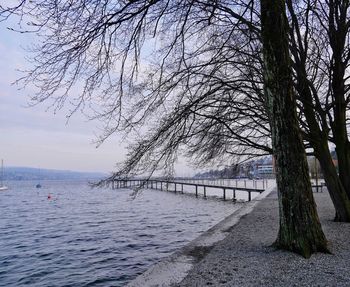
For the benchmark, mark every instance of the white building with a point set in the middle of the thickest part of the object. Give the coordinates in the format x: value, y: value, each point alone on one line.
x: 266, y: 170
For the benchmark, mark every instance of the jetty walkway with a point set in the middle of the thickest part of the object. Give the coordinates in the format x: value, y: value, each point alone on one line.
x: 225, y: 189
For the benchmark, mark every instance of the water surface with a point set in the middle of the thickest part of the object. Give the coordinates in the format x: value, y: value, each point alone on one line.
x: 93, y: 237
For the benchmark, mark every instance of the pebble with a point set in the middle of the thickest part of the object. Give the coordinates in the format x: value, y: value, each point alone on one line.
x: 246, y: 258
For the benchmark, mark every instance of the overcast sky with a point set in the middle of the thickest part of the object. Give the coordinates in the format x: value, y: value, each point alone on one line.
x: 36, y: 137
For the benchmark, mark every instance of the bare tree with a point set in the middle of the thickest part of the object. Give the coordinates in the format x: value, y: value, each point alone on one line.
x: 315, y: 78
x: 200, y: 70
x: 202, y: 93
x: 300, y: 230
x: 99, y: 34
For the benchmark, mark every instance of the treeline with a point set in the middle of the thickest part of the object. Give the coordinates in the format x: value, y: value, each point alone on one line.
x: 227, y: 172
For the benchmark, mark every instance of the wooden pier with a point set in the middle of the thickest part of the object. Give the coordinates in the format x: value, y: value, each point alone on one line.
x: 319, y: 187
x: 163, y: 185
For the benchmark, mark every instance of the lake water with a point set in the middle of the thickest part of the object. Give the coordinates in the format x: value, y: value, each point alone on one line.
x: 93, y: 237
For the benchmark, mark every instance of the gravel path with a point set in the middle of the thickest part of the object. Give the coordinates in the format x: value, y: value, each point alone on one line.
x: 245, y: 257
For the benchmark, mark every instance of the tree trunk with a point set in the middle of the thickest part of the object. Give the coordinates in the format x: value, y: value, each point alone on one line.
x: 318, y: 129
x: 335, y: 188
x: 300, y: 230
x: 343, y: 155
x: 319, y: 142
x: 338, y: 32
x: 339, y: 125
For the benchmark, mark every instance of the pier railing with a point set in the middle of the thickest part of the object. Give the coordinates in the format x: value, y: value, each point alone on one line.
x: 178, y: 186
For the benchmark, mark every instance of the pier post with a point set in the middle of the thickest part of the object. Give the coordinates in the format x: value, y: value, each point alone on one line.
x: 154, y: 184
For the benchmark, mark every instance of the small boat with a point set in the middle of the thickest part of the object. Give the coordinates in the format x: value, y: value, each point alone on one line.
x: 2, y: 186
x: 38, y: 185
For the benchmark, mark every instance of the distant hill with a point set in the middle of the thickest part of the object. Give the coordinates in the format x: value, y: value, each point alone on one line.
x: 28, y: 173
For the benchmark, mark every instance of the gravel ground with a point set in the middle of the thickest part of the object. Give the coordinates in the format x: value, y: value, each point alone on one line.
x: 245, y: 257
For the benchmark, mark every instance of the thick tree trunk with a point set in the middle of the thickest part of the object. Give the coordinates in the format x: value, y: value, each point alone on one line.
x: 300, y: 230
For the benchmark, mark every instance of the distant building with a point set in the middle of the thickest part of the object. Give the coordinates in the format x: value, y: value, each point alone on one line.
x: 266, y: 171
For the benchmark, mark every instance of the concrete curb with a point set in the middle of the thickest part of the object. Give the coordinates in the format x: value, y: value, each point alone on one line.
x: 174, y: 268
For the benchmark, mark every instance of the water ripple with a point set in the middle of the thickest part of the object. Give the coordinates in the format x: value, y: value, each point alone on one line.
x: 93, y: 237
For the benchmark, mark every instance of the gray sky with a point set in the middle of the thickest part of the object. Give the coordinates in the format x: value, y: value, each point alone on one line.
x: 35, y: 137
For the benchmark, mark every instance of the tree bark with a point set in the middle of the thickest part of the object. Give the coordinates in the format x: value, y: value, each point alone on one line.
x: 335, y: 187
x: 339, y: 128
x: 318, y: 129
x: 338, y: 24
x: 300, y: 230
x: 319, y: 141
x: 340, y: 133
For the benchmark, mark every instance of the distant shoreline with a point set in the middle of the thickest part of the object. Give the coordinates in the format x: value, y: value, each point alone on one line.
x: 29, y: 173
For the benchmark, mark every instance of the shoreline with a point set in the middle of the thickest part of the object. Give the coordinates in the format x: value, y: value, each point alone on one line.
x: 173, y: 269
